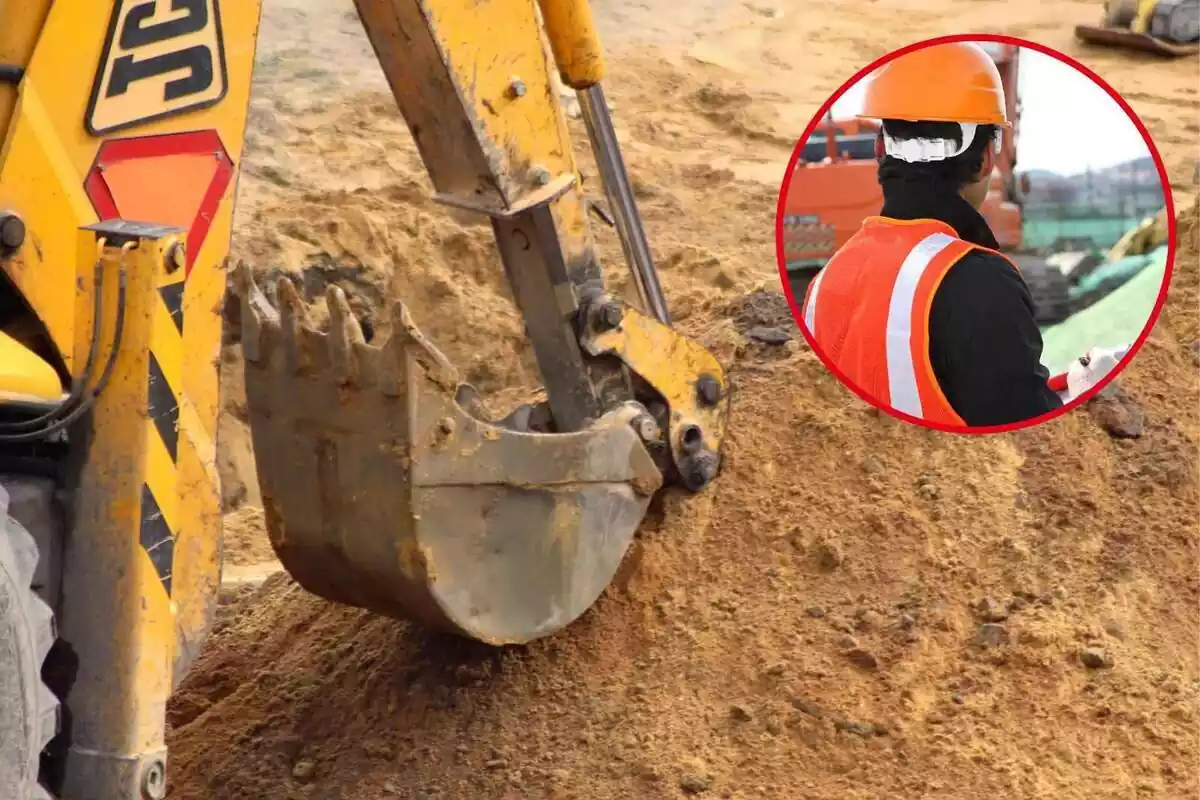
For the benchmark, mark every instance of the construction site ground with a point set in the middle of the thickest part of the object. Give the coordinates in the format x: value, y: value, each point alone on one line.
x: 855, y: 608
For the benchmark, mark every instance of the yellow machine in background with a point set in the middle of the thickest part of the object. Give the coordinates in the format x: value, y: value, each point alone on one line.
x: 385, y: 484
x: 1165, y: 27
x: 1148, y: 235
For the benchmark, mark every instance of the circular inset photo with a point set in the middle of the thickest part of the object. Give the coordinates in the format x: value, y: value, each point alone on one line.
x: 975, y: 233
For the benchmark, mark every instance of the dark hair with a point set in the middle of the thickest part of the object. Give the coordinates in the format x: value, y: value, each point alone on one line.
x: 955, y: 172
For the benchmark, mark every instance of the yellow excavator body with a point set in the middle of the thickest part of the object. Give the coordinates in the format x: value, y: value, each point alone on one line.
x: 1168, y: 28
x: 385, y: 483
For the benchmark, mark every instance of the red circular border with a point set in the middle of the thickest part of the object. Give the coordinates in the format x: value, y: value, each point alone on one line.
x: 1158, y: 164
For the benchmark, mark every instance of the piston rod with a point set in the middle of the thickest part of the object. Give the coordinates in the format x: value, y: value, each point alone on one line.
x: 620, y: 195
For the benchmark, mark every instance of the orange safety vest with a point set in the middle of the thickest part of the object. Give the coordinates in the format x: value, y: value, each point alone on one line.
x: 868, y: 311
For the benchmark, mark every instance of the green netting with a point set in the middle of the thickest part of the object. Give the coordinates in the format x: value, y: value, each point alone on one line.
x: 1043, y: 232
x: 1119, y: 271
x: 1116, y: 320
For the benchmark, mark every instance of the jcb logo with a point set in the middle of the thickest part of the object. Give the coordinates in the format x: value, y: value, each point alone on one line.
x: 162, y: 57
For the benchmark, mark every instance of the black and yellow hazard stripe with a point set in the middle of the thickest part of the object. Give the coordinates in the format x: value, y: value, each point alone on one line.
x: 160, y: 493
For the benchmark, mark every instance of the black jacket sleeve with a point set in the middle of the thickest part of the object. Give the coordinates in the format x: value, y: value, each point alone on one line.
x: 985, y: 346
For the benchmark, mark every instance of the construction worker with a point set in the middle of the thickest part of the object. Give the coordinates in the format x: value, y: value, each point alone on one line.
x: 918, y: 309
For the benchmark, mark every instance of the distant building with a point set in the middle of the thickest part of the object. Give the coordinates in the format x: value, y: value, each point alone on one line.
x: 1131, y: 190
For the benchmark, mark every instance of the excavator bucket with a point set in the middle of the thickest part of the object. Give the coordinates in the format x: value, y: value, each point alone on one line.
x: 386, y: 487
x: 385, y: 483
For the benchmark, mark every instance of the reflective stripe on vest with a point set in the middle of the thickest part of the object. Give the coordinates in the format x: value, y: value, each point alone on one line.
x: 902, y: 374
x: 868, y: 311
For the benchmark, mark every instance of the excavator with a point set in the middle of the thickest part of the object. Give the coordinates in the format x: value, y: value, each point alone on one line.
x: 386, y: 482
x: 1169, y: 28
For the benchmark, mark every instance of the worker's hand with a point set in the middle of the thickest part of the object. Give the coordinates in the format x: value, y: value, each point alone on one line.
x: 1092, y: 368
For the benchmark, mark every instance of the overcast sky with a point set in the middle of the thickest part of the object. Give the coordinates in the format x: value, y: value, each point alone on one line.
x: 1068, y: 123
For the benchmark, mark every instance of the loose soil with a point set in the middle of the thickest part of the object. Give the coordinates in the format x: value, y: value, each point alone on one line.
x: 855, y: 609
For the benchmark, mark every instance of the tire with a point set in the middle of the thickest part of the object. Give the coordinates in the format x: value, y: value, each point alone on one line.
x: 28, y: 709
x: 1049, y: 289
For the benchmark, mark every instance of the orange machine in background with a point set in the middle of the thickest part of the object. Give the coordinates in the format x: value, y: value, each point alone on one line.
x: 834, y: 186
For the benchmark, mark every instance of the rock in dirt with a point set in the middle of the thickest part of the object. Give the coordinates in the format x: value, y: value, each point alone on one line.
x: 928, y: 489
x: 651, y: 773
x: 806, y: 706
x: 991, y: 634
x: 991, y: 611
x: 772, y: 336
x: 829, y: 553
x: 864, y: 729
x: 695, y: 777
x: 1096, y: 658
x: 867, y: 620
x: 860, y: 657
x: 1117, y: 412
x: 304, y: 770
x: 760, y: 309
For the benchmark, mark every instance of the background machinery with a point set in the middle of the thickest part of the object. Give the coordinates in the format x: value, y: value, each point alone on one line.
x: 1166, y: 27
x: 386, y: 485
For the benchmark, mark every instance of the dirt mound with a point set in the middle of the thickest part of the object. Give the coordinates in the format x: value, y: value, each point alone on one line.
x: 921, y: 615
x: 855, y: 609
x: 246, y: 537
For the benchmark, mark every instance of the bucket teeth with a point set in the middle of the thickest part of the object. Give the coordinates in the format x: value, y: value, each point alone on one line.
x: 407, y: 338
x: 255, y: 311
x: 345, y: 336
x: 343, y: 349
x: 298, y: 329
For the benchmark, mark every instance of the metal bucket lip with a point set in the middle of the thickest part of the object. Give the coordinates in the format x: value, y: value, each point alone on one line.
x: 546, y: 550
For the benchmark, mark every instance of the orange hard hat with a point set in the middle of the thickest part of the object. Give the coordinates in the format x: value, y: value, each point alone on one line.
x: 951, y: 82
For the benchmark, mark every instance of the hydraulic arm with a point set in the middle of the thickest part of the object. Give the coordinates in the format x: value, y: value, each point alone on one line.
x: 386, y: 486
